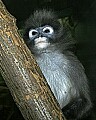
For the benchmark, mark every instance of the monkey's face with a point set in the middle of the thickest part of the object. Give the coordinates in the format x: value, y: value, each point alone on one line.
x: 42, y: 31
x: 41, y: 37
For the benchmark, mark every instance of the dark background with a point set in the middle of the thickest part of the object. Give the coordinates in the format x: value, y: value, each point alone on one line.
x: 81, y: 12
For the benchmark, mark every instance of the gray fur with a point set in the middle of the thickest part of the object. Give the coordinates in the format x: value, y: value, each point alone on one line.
x: 54, y: 66
x: 61, y: 72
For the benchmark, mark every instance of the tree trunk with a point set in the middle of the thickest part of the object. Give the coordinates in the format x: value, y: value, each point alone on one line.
x: 22, y: 75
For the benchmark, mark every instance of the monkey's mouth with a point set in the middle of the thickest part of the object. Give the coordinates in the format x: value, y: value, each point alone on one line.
x: 41, y: 42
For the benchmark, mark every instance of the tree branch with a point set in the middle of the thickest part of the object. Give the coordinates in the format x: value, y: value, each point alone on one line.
x: 22, y: 75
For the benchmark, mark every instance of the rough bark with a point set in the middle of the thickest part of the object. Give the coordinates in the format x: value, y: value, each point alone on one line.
x: 22, y: 75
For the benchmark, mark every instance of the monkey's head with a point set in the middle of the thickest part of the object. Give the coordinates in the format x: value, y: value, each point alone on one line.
x: 42, y: 30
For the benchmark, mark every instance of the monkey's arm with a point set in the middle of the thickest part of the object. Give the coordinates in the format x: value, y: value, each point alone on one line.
x: 82, y: 103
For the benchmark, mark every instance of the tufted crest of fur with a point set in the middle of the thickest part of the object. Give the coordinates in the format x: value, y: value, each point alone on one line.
x: 42, y: 17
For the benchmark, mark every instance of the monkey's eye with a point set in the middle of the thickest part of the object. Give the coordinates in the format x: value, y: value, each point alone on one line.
x: 48, y: 30
x: 32, y: 33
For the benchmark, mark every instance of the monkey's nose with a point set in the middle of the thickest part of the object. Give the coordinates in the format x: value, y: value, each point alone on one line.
x: 40, y: 35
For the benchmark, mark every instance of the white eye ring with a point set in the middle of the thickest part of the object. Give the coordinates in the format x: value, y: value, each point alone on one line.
x: 32, y: 33
x: 48, y: 30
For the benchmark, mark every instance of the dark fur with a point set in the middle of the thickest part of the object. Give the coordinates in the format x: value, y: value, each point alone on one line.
x: 63, y: 42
